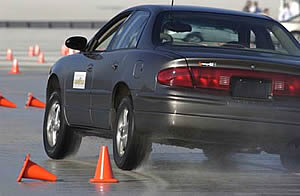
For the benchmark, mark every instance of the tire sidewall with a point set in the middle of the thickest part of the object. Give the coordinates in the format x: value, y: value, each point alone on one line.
x: 121, y: 161
x: 54, y: 151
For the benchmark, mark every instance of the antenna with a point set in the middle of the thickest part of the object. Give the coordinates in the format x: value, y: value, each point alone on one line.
x: 171, y: 12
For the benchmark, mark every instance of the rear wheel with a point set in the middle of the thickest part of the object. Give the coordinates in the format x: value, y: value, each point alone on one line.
x: 130, y: 148
x: 59, y: 139
x: 290, y: 156
x: 217, y: 152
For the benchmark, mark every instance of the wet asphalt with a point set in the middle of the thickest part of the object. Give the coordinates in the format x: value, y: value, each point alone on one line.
x: 169, y: 170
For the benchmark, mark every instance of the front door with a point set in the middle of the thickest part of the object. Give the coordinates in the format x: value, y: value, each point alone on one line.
x: 77, y: 93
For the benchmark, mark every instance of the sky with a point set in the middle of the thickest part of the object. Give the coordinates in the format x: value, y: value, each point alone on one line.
x: 101, y: 9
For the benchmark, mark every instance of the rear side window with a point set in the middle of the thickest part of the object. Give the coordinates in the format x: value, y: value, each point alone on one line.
x: 277, y: 44
x: 130, y: 32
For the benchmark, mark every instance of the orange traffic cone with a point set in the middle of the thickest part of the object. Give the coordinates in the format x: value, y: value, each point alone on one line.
x: 41, y: 59
x: 103, y: 171
x: 34, y: 171
x: 64, y: 50
x: 30, y: 51
x: 9, y: 55
x: 15, y: 67
x: 34, y: 102
x: 6, y: 103
x: 37, y: 50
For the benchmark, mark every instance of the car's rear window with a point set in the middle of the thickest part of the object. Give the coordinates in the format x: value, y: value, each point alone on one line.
x: 198, y: 29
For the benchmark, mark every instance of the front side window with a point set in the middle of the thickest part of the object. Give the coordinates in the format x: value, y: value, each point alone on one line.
x: 129, y: 34
x: 104, y: 44
x: 104, y: 40
x: 198, y: 29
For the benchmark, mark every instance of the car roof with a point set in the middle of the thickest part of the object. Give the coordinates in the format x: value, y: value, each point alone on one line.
x: 159, y: 8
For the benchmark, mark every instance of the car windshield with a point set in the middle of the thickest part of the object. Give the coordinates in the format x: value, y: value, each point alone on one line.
x: 200, y: 29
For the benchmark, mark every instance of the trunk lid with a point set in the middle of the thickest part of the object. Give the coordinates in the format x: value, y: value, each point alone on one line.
x: 240, y: 59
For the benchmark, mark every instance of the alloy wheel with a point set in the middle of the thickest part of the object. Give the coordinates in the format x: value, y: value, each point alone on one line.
x: 122, y: 132
x: 53, y: 123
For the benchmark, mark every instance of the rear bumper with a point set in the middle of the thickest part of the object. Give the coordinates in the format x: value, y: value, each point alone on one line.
x: 214, y: 130
x: 223, y: 120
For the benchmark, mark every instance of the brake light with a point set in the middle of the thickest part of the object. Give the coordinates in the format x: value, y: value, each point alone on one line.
x: 288, y: 86
x: 179, y: 76
x: 219, y: 79
x: 211, y: 78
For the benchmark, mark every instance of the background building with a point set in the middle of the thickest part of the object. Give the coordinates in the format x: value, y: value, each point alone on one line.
x: 103, y: 10
x: 294, y: 5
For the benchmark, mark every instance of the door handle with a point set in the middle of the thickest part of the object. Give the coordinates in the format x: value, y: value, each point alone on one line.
x: 90, y: 67
x: 115, y: 66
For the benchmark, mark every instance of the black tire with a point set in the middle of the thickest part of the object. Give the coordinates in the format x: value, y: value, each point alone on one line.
x: 290, y: 156
x: 67, y: 141
x: 137, y: 147
x: 217, y: 152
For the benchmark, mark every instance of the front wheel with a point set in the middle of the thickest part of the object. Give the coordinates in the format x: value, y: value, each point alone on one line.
x: 59, y: 139
x: 130, y: 148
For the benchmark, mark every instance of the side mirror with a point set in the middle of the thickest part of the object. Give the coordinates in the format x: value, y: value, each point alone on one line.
x: 76, y: 43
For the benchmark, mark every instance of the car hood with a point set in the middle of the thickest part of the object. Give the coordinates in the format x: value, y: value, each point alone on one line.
x: 234, y: 54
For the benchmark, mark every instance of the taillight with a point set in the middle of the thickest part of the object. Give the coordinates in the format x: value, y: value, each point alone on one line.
x: 220, y: 79
x: 179, y: 76
x: 211, y: 78
x: 287, y: 86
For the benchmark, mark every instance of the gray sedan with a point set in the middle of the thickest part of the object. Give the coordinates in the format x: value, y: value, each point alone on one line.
x: 219, y: 80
